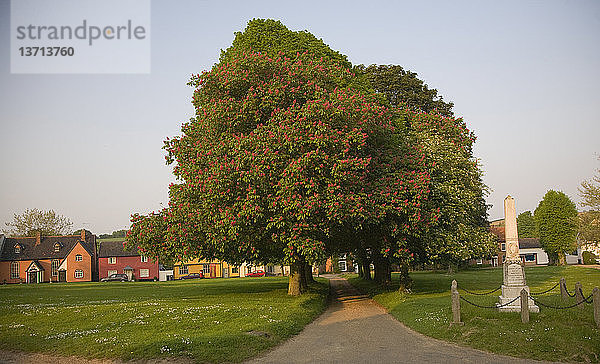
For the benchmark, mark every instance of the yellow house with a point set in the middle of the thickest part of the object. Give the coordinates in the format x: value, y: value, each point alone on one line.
x: 210, y: 269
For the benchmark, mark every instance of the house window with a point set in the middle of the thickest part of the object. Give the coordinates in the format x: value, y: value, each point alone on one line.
x: 144, y: 259
x: 206, y: 268
x: 112, y: 260
x: 78, y: 258
x: 54, y: 267
x: 479, y: 261
x: 342, y: 264
x: 111, y: 272
x: 14, y: 270
x: 56, y: 247
x: 17, y: 249
x: 144, y: 273
x: 270, y: 269
x: 183, y: 269
x: 78, y: 273
x: 503, y: 247
x: 530, y: 257
x: 235, y: 270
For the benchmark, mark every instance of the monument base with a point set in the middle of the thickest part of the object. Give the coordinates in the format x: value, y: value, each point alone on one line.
x: 509, y: 293
x: 514, y: 282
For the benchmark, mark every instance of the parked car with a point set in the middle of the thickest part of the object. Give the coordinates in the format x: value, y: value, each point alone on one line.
x: 258, y: 273
x: 116, y: 277
x: 193, y: 276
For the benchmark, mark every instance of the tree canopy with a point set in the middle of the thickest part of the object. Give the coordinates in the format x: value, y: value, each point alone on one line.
x: 33, y: 221
x: 402, y: 88
x: 526, y: 225
x: 292, y: 156
x: 556, y: 223
x: 589, y: 221
x: 590, y: 192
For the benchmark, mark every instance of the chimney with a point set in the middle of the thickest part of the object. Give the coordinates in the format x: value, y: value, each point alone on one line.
x: 38, y: 238
x: 83, y: 234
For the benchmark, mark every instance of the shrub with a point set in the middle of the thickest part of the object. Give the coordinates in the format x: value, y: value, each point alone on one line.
x: 589, y: 258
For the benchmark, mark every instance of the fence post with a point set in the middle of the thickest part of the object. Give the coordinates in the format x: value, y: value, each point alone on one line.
x: 596, y: 293
x: 579, y: 295
x: 524, y: 306
x: 455, y: 305
x: 563, y: 289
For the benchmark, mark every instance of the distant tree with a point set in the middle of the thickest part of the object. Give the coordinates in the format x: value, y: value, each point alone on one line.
x: 589, y: 221
x: 33, y: 220
x: 556, y: 223
x: 589, y: 227
x: 119, y: 233
x: 402, y: 88
x: 526, y: 225
x: 590, y: 192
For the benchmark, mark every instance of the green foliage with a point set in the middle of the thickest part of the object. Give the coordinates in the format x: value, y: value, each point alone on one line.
x: 589, y: 226
x: 33, y: 220
x: 589, y: 221
x: 282, y: 155
x: 293, y: 156
x: 526, y: 225
x: 114, y: 234
x: 271, y: 37
x: 203, y: 321
x: 589, y: 258
x: 556, y: 223
x: 459, y: 231
x: 590, y: 192
x: 403, y: 89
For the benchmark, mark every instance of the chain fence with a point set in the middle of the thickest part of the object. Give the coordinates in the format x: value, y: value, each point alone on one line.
x: 567, y: 291
x: 494, y: 306
x: 546, y: 291
x: 478, y: 294
x: 585, y: 300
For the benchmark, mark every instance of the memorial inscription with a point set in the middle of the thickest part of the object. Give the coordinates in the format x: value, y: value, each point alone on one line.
x: 514, y: 275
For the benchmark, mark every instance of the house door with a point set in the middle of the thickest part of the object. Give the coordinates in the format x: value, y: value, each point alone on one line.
x: 62, y: 275
x: 33, y: 277
x: 226, y: 272
x: 213, y: 271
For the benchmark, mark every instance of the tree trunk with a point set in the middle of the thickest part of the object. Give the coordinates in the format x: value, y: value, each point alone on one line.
x: 383, y: 273
x: 405, y: 280
x: 366, y: 268
x: 361, y: 274
x: 294, y: 282
x: 303, y: 279
x: 309, y: 275
x: 364, y: 264
x: 561, y: 259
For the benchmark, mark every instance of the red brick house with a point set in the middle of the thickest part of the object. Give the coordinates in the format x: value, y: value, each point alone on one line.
x: 38, y: 259
x: 114, y: 259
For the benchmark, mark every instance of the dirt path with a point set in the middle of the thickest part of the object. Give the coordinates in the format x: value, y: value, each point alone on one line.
x: 355, y: 329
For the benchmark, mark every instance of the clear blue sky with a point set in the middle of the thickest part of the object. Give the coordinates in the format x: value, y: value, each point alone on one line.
x: 525, y: 76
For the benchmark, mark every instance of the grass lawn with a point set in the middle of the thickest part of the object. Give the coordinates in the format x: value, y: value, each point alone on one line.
x: 555, y: 335
x: 205, y: 320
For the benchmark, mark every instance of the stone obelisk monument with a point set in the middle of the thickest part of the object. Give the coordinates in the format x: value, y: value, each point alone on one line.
x: 514, y: 273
